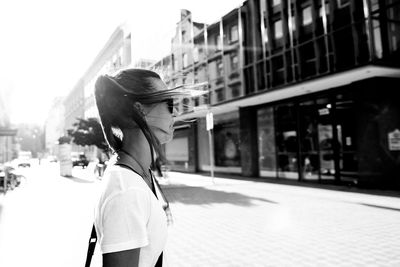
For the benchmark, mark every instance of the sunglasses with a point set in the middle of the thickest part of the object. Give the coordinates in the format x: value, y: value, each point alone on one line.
x: 170, y: 105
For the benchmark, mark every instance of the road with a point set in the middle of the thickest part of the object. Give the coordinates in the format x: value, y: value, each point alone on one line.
x: 47, y: 220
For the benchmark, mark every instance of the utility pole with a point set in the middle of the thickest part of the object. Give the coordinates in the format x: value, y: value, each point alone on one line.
x: 210, y: 126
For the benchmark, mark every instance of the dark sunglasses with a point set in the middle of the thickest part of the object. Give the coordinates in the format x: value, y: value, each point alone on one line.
x: 170, y: 104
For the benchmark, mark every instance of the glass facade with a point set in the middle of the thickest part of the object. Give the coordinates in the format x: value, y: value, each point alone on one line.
x: 286, y: 141
x: 310, y: 140
x: 266, y: 141
x: 227, y: 144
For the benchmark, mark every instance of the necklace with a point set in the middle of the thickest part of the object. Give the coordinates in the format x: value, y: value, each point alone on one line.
x: 144, y: 174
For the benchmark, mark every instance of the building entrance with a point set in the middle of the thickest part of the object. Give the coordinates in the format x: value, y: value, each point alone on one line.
x: 327, y: 139
x: 315, y: 139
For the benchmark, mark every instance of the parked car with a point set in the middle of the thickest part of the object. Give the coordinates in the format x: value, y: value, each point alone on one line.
x: 24, y: 159
x: 52, y: 159
x: 23, y: 162
x: 80, y: 160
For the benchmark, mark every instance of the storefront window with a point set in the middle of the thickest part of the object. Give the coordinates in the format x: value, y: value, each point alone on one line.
x: 325, y: 138
x: 309, y: 156
x: 287, y: 141
x: 266, y: 142
x: 227, y: 144
x: 346, y: 121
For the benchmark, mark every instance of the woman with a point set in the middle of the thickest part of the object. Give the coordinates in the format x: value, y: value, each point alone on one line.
x: 135, y: 109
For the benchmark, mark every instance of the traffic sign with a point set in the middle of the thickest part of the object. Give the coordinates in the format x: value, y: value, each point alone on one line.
x: 209, y: 121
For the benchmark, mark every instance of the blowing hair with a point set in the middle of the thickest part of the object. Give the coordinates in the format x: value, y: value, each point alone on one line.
x: 116, y: 98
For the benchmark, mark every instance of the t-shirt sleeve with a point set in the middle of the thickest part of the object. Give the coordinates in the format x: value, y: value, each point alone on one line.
x: 124, y: 220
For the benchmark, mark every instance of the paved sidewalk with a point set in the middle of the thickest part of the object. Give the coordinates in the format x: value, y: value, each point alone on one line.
x: 225, y: 222
x: 246, y: 223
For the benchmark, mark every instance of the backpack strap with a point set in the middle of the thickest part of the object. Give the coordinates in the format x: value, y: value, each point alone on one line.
x: 91, y: 246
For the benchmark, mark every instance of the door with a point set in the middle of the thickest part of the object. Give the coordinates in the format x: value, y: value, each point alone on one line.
x: 326, y: 135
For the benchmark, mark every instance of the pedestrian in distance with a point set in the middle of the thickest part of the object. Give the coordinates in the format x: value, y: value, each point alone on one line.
x: 136, y: 113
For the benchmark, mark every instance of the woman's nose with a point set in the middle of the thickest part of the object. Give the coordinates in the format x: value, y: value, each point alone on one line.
x: 175, y: 112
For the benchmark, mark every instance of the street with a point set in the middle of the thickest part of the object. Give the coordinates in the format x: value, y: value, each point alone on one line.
x: 47, y: 222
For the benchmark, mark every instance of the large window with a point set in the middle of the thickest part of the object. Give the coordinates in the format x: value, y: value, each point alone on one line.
x: 307, y: 17
x: 233, y: 34
x: 308, y: 137
x: 287, y: 141
x: 266, y: 141
x: 218, y: 42
x: 234, y: 62
x: 227, y: 144
x: 276, y: 3
x: 278, y: 33
x: 220, y: 68
x: 185, y: 60
x: 196, y: 54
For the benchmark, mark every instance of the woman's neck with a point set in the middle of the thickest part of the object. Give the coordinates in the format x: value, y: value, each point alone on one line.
x: 136, y: 146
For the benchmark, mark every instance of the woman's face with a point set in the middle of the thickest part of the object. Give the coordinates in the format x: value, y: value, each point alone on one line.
x: 160, y: 120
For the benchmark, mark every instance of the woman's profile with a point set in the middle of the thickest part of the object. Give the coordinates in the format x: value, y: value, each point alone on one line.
x: 136, y: 113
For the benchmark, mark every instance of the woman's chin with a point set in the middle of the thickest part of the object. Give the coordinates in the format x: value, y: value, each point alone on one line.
x: 165, y: 138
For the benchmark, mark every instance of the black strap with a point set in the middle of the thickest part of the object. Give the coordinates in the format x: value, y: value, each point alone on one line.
x: 91, y: 246
x: 93, y: 235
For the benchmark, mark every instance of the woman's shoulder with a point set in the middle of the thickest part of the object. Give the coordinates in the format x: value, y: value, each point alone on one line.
x: 119, y: 178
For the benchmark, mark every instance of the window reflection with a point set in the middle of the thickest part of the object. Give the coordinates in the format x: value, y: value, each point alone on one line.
x: 266, y: 142
x: 286, y: 141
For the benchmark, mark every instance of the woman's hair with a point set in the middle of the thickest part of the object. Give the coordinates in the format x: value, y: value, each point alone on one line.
x: 117, y: 97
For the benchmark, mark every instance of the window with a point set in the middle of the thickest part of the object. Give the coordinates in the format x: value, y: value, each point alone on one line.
x: 184, y: 36
x: 307, y: 17
x: 218, y: 42
x: 196, y: 54
x: 220, y: 68
x: 220, y: 95
x: 227, y: 143
x: 235, y: 90
x: 278, y: 29
x: 185, y: 60
x: 176, y: 67
x: 266, y: 35
x: 292, y: 23
x: 233, y: 35
x: 276, y: 3
x: 234, y: 62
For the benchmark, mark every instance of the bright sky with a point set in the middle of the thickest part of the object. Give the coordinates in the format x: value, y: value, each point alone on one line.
x: 46, y: 45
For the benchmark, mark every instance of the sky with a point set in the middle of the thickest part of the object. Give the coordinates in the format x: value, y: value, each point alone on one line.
x: 47, y: 45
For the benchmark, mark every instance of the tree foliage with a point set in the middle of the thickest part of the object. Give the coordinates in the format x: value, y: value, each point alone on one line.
x: 87, y: 133
x: 64, y: 140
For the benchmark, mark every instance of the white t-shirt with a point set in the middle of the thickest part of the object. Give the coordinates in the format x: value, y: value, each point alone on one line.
x: 129, y: 216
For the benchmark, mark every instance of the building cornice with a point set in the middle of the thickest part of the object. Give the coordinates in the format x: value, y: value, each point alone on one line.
x: 304, y: 88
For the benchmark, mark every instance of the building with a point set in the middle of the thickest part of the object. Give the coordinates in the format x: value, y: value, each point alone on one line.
x: 8, y: 147
x: 115, y: 55
x: 80, y: 102
x: 301, y: 90
x: 74, y: 106
x: 143, y: 63
x: 54, y: 126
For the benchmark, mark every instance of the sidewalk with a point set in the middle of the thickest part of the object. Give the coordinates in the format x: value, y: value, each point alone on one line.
x: 374, y: 198
x: 236, y: 221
